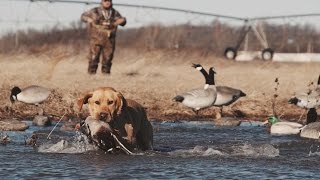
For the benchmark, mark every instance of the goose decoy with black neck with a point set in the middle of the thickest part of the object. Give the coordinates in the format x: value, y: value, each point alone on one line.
x: 312, y: 129
x: 200, y: 98
x: 30, y: 95
x: 225, y: 95
x: 309, y: 101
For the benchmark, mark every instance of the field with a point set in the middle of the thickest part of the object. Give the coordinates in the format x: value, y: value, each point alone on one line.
x: 153, y: 78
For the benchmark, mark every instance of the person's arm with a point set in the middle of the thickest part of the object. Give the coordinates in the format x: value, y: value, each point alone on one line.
x: 119, y: 20
x: 87, y: 17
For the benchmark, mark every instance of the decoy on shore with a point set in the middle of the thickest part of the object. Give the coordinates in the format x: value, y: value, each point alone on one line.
x: 307, y: 100
x: 225, y: 95
x: 30, y: 95
x: 310, y: 102
x: 200, y: 98
x: 310, y: 130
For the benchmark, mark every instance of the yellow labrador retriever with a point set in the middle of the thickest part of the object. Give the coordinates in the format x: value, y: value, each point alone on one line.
x: 126, y: 116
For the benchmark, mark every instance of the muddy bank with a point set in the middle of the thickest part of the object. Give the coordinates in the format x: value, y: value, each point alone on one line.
x: 153, y: 79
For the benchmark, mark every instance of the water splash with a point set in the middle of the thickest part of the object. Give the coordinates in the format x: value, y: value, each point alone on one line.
x: 314, y: 150
x: 78, y: 144
x: 264, y: 150
x: 197, y: 151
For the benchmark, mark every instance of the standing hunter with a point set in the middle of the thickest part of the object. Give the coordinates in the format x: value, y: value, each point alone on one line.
x: 102, y: 23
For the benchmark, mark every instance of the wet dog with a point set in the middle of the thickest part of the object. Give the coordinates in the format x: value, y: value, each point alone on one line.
x: 125, y: 116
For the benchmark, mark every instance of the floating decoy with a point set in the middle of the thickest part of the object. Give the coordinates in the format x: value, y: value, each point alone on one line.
x: 277, y: 127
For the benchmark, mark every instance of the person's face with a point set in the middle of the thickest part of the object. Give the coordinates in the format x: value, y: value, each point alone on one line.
x: 106, y: 3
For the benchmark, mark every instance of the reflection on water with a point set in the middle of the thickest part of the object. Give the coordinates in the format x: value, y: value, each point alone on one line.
x: 182, y: 150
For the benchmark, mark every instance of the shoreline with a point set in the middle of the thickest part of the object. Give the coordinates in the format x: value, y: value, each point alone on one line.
x: 153, y: 79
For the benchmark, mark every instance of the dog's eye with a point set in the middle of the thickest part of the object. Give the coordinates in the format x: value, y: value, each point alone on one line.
x: 110, y: 102
x: 97, y: 102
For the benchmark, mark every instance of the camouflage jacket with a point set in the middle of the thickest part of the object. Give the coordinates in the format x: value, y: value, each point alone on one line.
x: 103, y: 22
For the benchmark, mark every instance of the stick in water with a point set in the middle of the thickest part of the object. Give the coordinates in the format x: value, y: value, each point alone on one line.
x: 55, y: 126
x: 123, y: 147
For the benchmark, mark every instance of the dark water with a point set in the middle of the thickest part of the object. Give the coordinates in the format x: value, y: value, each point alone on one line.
x: 182, y: 150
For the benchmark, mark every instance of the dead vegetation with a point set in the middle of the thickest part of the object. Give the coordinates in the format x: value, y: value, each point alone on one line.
x: 208, y: 39
x: 153, y: 79
x: 153, y: 64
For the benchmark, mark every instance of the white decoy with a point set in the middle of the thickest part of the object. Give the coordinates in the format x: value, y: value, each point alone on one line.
x: 200, y: 98
x: 277, y: 127
x: 29, y: 95
x: 225, y: 95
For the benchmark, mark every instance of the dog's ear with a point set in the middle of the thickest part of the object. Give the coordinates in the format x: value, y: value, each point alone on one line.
x: 84, y: 100
x: 121, y: 103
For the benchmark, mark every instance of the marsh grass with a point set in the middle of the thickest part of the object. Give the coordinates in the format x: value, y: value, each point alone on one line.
x: 153, y: 79
x: 151, y: 65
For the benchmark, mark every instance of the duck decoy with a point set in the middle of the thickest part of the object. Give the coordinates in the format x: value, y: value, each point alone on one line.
x: 309, y: 101
x: 277, y: 127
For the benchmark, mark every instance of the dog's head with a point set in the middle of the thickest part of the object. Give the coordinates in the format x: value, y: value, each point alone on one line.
x: 104, y: 103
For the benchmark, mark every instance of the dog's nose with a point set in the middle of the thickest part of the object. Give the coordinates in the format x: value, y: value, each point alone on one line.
x: 103, y: 116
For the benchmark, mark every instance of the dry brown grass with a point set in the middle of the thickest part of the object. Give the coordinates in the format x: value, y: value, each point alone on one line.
x: 153, y: 79
x: 209, y: 39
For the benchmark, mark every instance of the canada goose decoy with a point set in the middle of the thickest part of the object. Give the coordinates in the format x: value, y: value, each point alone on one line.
x: 312, y: 129
x: 200, y: 98
x: 225, y: 95
x: 277, y: 127
x: 310, y: 100
x: 29, y: 95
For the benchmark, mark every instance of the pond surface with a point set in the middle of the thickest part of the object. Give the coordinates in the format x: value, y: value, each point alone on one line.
x: 191, y: 150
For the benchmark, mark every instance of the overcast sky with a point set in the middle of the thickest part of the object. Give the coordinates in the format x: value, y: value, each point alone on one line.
x: 42, y: 14
x: 243, y: 8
